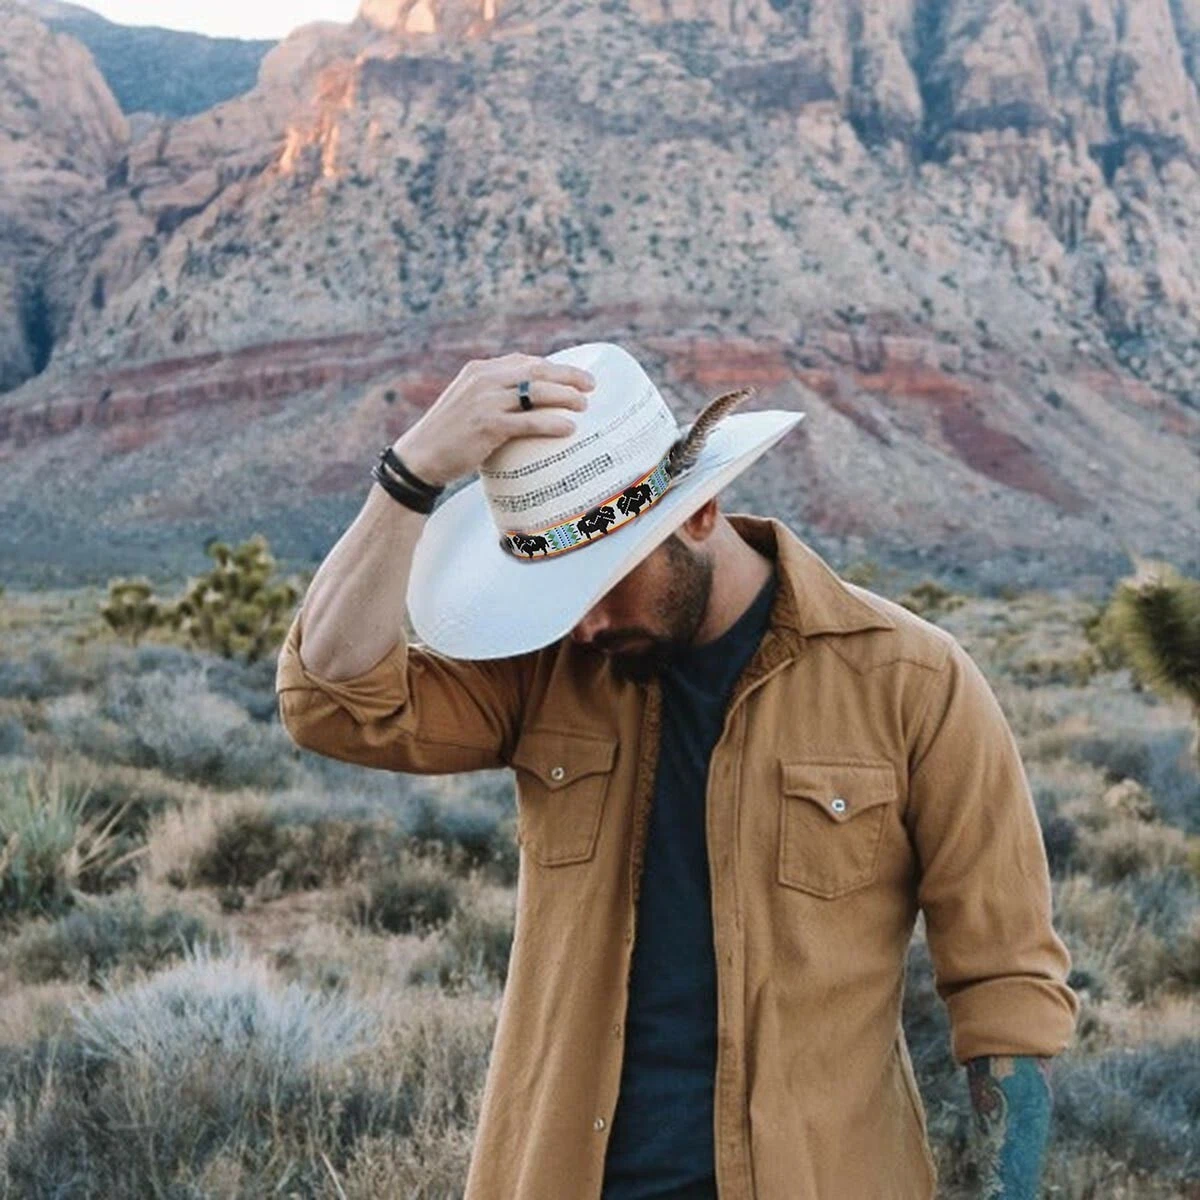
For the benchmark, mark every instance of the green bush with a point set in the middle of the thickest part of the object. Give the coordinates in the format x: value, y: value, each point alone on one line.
x: 49, y: 848
x: 254, y: 841
x: 132, y: 609
x: 89, y: 942
x: 237, y: 610
x: 412, y: 895
x: 1154, y: 617
x: 930, y: 599
x: 472, y: 952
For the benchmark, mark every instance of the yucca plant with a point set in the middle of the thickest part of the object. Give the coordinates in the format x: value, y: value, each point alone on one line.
x: 236, y: 609
x: 1154, y: 617
x: 49, y: 847
x: 132, y: 609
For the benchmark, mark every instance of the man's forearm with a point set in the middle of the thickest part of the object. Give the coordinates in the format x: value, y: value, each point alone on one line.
x: 1011, y: 1098
x: 355, y: 607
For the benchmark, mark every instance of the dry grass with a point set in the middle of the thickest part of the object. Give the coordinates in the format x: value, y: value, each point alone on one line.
x: 306, y: 860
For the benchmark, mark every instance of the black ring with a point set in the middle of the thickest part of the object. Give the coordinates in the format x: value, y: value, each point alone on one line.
x: 523, y: 395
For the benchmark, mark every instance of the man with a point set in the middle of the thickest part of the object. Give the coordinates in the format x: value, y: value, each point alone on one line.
x: 739, y: 780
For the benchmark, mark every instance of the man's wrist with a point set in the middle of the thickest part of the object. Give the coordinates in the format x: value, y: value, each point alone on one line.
x: 420, y: 464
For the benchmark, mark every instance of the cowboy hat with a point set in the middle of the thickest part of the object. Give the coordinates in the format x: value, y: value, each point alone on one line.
x: 513, y: 561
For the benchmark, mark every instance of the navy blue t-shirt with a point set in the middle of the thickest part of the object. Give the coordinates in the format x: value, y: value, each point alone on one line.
x: 662, y: 1132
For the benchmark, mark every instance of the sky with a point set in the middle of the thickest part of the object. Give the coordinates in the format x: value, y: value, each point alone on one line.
x: 225, y: 18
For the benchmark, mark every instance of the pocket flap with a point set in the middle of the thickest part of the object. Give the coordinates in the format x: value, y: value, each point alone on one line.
x: 841, y: 790
x: 558, y: 759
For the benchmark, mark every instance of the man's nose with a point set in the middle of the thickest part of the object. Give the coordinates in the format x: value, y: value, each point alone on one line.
x: 592, y: 623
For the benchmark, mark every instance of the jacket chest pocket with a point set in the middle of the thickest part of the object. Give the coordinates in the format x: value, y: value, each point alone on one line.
x: 562, y: 780
x: 831, y: 819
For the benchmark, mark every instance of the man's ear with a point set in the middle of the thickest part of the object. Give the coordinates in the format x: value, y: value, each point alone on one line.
x: 702, y: 522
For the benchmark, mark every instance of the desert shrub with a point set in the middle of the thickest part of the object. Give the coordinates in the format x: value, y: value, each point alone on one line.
x: 1060, y: 836
x: 1074, y: 670
x: 12, y: 736
x: 864, y: 573
x: 172, y: 722
x: 411, y: 895
x: 1126, y: 942
x: 1142, y: 1103
x: 1128, y: 847
x: 1155, y: 618
x: 251, y: 686
x: 471, y: 953
x: 1184, y: 951
x: 49, y: 848
x: 89, y: 942
x: 41, y: 675
x: 473, y: 832
x: 154, y: 1081
x: 1164, y: 900
x: 929, y: 599
x: 140, y: 794
x: 212, y: 1079
x: 241, y: 840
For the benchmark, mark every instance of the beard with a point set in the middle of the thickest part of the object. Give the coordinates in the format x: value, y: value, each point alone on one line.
x: 683, y: 608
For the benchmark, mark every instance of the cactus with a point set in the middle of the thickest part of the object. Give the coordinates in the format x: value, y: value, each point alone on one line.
x: 236, y: 609
x: 1154, y: 617
x: 132, y: 609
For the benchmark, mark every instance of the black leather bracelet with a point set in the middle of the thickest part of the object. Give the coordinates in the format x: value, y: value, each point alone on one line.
x: 392, y: 461
x: 402, y: 493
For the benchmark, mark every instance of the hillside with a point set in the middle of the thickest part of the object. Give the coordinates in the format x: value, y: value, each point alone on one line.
x: 964, y: 236
x: 163, y: 71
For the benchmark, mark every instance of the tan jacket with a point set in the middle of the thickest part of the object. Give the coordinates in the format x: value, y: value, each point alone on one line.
x: 865, y: 770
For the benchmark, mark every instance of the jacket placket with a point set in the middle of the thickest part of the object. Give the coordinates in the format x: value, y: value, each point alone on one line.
x: 731, y: 1117
x: 734, y: 1172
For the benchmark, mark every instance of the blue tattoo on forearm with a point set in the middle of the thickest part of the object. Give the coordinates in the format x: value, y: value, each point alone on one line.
x: 1011, y: 1097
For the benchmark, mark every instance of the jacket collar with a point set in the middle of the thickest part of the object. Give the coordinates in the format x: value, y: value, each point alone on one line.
x: 811, y: 599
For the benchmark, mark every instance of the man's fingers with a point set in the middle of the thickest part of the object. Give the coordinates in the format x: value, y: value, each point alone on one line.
x: 542, y: 394
x: 511, y: 370
x: 541, y: 422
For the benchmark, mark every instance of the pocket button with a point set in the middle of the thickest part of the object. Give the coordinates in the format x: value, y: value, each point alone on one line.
x: 557, y: 774
x: 838, y: 804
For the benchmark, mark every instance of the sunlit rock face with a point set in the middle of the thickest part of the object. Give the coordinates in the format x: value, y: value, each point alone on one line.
x: 451, y: 18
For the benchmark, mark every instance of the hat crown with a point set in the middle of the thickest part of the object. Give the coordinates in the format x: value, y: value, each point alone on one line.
x: 533, y: 483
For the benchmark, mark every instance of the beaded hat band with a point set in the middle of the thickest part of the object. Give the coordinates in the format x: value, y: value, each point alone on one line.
x: 606, y: 517
x: 630, y: 502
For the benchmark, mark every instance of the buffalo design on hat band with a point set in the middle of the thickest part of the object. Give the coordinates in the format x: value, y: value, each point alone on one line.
x: 604, y: 518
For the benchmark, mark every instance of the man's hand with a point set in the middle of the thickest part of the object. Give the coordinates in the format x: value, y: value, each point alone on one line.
x: 1012, y: 1099
x: 480, y: 411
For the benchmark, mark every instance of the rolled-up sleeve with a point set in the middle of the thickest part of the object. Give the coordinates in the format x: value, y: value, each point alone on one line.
x: 984, y: 888
x: 413, y: 710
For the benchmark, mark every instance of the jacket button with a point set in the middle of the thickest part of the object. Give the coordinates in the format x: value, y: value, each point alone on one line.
x: 600, y: 1122
x: 557, y: 773
x: 617, y: 1030
x: 837, y: 804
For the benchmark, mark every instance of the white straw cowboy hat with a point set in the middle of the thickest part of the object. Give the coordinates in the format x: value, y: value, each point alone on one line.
x: 513, y: 561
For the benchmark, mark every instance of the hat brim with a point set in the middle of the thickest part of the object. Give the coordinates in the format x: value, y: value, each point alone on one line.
x: 470, y: 599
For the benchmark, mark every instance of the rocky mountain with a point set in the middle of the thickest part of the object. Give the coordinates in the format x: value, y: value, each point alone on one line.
x: 163, y: 71
x: 964, y: 234
x: 62, y: 151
